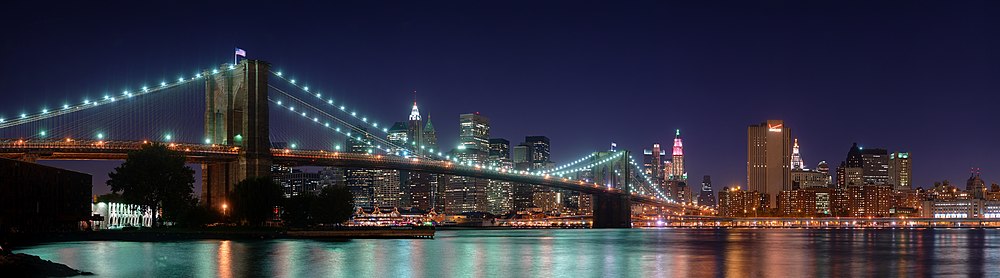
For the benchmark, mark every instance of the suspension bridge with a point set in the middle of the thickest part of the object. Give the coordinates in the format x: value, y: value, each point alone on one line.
x: 244, y: 112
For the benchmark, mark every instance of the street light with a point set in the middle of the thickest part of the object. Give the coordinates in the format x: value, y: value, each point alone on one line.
x: 225, y: 207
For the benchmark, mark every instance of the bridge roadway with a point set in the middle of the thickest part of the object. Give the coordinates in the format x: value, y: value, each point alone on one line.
x: 70, y: 149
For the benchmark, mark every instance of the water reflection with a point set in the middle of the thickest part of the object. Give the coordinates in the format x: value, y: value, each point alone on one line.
x: 557, y: 253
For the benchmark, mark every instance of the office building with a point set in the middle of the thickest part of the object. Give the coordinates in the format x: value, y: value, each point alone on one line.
x: 769, y: 158
x: 900, y: 171
x: 707, y: 196
x: 677, y: 162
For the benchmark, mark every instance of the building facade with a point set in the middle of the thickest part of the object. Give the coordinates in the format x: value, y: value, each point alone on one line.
x: 769, y: 158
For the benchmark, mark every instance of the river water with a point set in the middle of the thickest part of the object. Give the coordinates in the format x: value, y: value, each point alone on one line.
x: 556, y: 253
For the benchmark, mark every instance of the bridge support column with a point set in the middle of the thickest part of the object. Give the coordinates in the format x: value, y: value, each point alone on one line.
x: 612, y: 211
x: 236, y: 115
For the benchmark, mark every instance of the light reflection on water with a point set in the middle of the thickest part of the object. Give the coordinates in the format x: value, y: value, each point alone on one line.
x: 556, y: 253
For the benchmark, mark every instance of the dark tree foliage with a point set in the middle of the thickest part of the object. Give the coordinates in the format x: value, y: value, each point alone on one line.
x: 298, y: 210
x: 157, y: 177
x: 334, y: 205
x: 254, y: 200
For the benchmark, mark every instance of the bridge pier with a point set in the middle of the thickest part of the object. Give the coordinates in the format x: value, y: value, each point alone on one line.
x: 236, y: 115
x: 612, y: 211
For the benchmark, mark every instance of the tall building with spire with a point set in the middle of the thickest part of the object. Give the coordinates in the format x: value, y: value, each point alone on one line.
x: 796, y: 157
x: 677, y: 162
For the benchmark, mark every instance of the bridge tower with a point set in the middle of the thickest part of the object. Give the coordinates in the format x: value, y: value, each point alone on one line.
x: 236, y: 114
x: 613, y: 210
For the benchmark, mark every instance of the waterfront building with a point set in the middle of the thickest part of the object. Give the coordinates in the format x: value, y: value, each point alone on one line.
x: 39, y: 198
x: 769, y: 158
x: 360, y: 181
x: 869, y: 200
x: 734, y: 202
x: 798, y: 202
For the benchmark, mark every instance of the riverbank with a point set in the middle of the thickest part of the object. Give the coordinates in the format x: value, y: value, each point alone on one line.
x: 24, y: 265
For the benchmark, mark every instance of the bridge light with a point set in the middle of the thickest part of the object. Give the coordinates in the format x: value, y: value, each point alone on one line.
x: 208, y: 141
x: 145, y: 89
x: 278, y: 73
x: 292, y: 108
x: 106, y: 97
x: 316, y: 119
x: 303, y: 114
x: 197, y: 75
x: 180, y: 79
x: 327, y: 124
x: 1, y: 120
x: 294, y: 145
x: 42, y: 133
x: 329, y: 101
x: 279, y: 102
x: 45, y: 111
x: 385, y: 130
x: 293, y: 81
x: 214, y: 71
x: 354, y: 114
x: 342, y: 108
x: 338, y: 129
x: 306, y: 88
x: 167, y: 137
x: 337, y: 147
x: 24, y: 115
x: 374, y: 124
x: 364, y: 119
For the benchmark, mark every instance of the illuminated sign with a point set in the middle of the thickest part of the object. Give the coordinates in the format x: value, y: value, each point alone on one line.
x: 774, y: 128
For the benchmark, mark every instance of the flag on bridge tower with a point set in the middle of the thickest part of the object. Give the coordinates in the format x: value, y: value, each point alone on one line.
x: 239, y: 53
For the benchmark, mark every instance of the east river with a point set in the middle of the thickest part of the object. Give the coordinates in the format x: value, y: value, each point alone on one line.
x: 557, y: 253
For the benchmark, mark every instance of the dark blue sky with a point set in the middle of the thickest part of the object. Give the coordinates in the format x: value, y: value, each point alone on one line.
x: 902, y: 75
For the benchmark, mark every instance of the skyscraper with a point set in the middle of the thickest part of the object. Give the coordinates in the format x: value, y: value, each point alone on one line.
x: 875, y: 166
x: 678, y: 159
x: 652, y: 163
x: 540, y: 151
x: 900, y: 173
x: 360, y: 181
x: 500, y: 194
x: 769, y: 158
x: 796, y: 157
x: 707, y: 196
x: 466, y: 194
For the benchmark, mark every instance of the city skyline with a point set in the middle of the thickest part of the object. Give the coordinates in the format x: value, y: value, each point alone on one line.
x: 940, y: 142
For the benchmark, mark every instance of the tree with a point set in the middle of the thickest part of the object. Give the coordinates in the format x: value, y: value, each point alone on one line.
x: 334, y: 205
x: 254, y: 199
x: 298, y: 210
x: 156, y: 177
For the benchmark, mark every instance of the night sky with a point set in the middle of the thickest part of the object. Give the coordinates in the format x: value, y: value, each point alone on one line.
x: 900, y: 75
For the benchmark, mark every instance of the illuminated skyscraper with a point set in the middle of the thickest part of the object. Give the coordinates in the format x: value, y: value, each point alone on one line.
x: 466, y: 194
x: 900, y: 173
x: 678, y: 159
x: 769, y: 158
x: 653, y: 163
x: 796, y: 157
